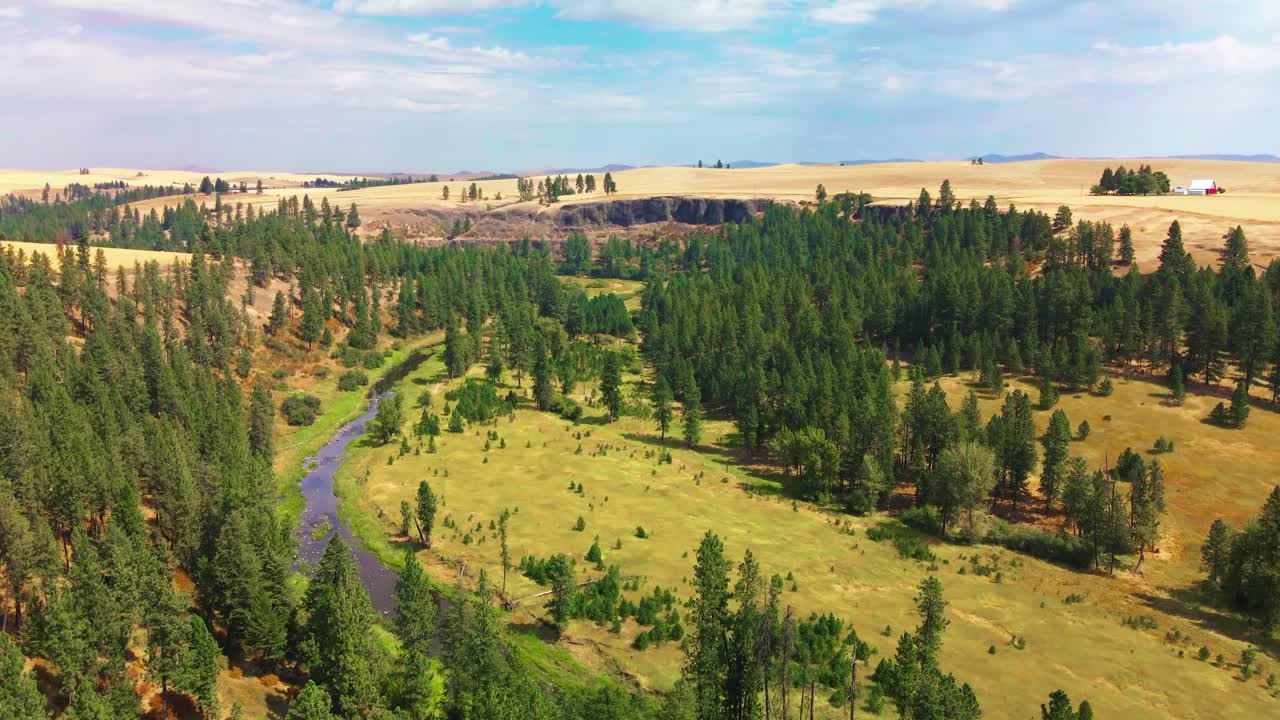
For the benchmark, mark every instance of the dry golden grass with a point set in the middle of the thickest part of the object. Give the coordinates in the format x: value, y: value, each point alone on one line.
x: 115, y: 256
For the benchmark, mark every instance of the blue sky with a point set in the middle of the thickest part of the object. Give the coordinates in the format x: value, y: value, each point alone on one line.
x: 417, y: 85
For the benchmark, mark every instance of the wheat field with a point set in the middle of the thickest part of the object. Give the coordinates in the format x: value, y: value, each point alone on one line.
x: 1252, y: 200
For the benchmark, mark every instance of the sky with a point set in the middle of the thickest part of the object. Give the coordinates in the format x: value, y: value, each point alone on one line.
x: 509, y: 85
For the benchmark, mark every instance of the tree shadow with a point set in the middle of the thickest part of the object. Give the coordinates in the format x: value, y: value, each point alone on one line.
x: 1190, y: 603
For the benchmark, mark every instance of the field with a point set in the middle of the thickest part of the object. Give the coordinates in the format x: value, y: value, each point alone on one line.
x: 1081, y: 646
x: 115, y: 256
x: 1253, y: 198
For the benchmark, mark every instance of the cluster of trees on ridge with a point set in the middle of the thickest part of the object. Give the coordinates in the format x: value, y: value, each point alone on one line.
x: 1121, y: 181
x: 782, y: 322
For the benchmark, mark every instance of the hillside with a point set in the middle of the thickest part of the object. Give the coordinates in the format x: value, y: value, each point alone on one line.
x: 419, y: 211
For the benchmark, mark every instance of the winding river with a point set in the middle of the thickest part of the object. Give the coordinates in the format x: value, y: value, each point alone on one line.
x: 322, y: 505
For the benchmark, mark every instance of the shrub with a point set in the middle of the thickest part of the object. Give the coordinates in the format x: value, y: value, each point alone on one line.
x: 1064, y: 549
x: 373, y: 360
x: 300, y: 409
x: 1163, y: 445
x: 1082, y: 432
x: 424, y: 398
x: 640, y: 533
x: 1105, y: 389
x: 352, y: 380
x: 1140, y: 622
x: 580, y: 525
x: 858, y: 503
x: 924, y: 518
x: 279, y: 373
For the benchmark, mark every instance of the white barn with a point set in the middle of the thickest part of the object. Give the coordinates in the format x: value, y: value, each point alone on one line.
x: 1202, y: 187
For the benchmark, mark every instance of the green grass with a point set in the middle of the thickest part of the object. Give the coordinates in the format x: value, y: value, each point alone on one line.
x: 1081, y: 648
x: 337, y: 409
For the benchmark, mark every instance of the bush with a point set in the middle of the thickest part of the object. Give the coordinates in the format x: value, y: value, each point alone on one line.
x: 1163, y: 445
x: 580, y: 525
x: 300, y: 409
x: 373, y: 360
x: 352, y: 380
x: 1063, y: 549
x: 1105, y: 389
x: 640, y: 533
x: 1082, y: 432
x: 858, y: 503
x: 925, y: 519
x: 279, y: 373
x: 568, y: 408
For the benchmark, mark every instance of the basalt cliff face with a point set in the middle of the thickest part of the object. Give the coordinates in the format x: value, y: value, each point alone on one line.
x: 646, y: 211
x: 484, y: 223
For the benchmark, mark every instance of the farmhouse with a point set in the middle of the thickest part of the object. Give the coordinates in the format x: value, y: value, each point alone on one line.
x: 1203, y: 187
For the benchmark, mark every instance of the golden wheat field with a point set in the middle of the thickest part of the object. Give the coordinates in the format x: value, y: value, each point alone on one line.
x: 1252, y: 200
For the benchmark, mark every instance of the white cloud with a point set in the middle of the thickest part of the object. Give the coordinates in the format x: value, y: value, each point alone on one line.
x: 691, y: 15
x: 429, y: 40
x: 892, y: 83
x: 861, y: 12
x: 1112, y: 64
x: 855, y: 12
x: 11, y: 13
x: 420, y: 7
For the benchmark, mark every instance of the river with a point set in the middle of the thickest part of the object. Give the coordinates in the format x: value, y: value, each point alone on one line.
x: 317, y: 488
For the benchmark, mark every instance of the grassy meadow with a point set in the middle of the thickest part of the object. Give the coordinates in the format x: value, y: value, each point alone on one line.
x: 1081, y: 646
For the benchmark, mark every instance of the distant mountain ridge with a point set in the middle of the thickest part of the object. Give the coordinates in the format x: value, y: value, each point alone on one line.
x: 998, y: 158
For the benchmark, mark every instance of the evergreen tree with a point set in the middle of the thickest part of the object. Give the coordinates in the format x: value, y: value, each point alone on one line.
x: 1055, y: 441
x: 611, y: 385
x: 1174, y: 259
x: 312, y: 318
x: 19, y: 696
x: 1126, y: 246
x: 312, y: 703
x: 262, y: 411
x: 705, y: 657
x: 425, y: 512
x: 1215, y: 553
x: 339, y: 643
x: 662, y: 412
x: 386, y: 424
x: 279, y: 314
x: 691, y: 417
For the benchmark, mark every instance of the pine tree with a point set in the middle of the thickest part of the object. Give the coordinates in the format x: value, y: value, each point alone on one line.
x: 261, y: 422
x: 662, y: 406
x: 386, y: 424
x: 19, y: 695
x: 1234, y: 255
x: 312, y: 317
x: 1174, y: 259
x: 312, y: 703
x: 691, y: 417
x: 338, y: 635
x: 1056, y: 440
x: 1177, y: 391
x: 279, y: 314
x: 705, y: 661
x: 455, y: 351
x: 1215, y: 553
x: 543, y: 390
x: 425, y: 514
x: 611, y: 385
x: 416, y: 606
x: 1239, y: 411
